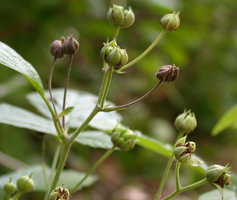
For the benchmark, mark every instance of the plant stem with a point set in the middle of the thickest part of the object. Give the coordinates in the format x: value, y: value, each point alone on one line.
x: 44, y: 171
x: 177, y: 167
x: 116, y: 33
x: 93, y: 168
x: 186, y: 188
x: 133, y: 102
x: 164, y: 178
x: 16, y: 196
x: 66, y: 88
x: 152, y: 45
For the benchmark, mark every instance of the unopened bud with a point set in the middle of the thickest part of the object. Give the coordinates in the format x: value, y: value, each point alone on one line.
x: 25, y: 184
x: 186, y: 122
x: 217, y: 174
x: 170, y: 22
x: 56, y: 49
x: 123, y: 138
x: 60, y: 193
x: 70, y: 46
x: 10, y: 188
x: 119, y: 16
x: 168, y: 73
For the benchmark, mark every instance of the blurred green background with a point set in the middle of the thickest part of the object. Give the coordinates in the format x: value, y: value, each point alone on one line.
x: 204, y: 47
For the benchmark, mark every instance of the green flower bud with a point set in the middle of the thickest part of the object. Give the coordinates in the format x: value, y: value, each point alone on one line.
x: 25, y: 184
x: 70, y: 46
x: 113, y: 55
x: 10, y: 188
x: 123, y: 138
x: 170, y: 22
x: 183, y: 151
x: 186, y: 122
x: 119, y: 16
x: 56, y: 49
x: 168, y: 73
x: 217, y: 174
x: 60, y: 193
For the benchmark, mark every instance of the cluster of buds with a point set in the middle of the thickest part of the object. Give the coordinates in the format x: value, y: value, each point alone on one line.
x: 62, y: 47
x: 113, y: 55
x: 170, y: 22
x: 60, y: 193
x: 186, y: 122
x: 183, y: 150
x: 123, y: 138
x: 218, y: 175
x: 168, y: 73
x: 119, y: 16
x: 23, y: 184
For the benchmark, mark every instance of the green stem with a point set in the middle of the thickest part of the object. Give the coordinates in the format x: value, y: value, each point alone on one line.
x: 177, y: 167
x: 16, y: 196
x: 188, y: 187
x: 93, y: 168
x: 152, y: 45
x: 66, y: 88
x: 116, y: 33
x: 164, y: 178
x: 44, y: 171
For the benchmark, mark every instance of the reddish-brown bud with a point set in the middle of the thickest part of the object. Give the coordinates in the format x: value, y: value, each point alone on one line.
x: 56, y: 49
x: 168, y: 73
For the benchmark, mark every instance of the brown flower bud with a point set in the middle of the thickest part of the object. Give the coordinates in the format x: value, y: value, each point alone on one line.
x: 56, y: 49
x: 168, y: 73
x: 70, y: 46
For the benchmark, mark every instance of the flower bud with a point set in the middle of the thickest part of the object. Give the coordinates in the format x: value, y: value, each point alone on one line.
x: 60, y: 193
x: 183, y: 151
x: 119, y: 16
x: 186, y: 122
x: 10, y: 188
x: 56, y: 49
x: 70, y: 46
x: 170, y: 22
x: 123, y: 138
x: 113, y: 55
x: 219, y: 175
x: 168, y: 73
x: 25, y: 184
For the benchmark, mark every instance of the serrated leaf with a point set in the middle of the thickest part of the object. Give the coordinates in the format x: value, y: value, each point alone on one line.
x: 228, y: 120
x: 215, y: 195
x: 65, y: 112
x: 83, y: 104
x: 69, y: 178
x: 10, y: 58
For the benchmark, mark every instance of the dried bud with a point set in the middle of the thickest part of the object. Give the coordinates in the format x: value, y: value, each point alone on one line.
x: 70, y: 46
x: 123, y: 138
x: 170, y: 22
x: 119, y: 16
x: 183, y: 151
x: 10, y: 188
x: 113, y: 55
x: 219, y: 175
x: 168, y: 73
x: 186, y: 122
x: 25, y: 184
x: 60, y: 193
x: 56, y: 49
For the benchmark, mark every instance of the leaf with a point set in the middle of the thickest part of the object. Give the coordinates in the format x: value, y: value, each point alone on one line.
x: 83, y: 104
x: 65, y: 112
x: 10, y: 58
x: 228, y: 120
x: 19, y: 117
x: 215, y: 195
x: 69, y: 178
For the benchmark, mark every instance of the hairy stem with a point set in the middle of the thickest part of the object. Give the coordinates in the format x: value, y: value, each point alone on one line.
x: 186, y: 188
x: 93, y: 168
x: 152, y: 45
x: 66, y: 88
x: 177, y: 167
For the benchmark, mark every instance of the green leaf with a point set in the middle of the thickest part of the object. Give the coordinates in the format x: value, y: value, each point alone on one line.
x: 65, y: 112
x: 69, y: 178
x: 215, y: 195
x: 83, y: 104
x: 228, y: 120
x: 10, y: 58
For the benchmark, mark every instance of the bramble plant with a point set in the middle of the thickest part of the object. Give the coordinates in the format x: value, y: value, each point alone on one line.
x: 66, y: 120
